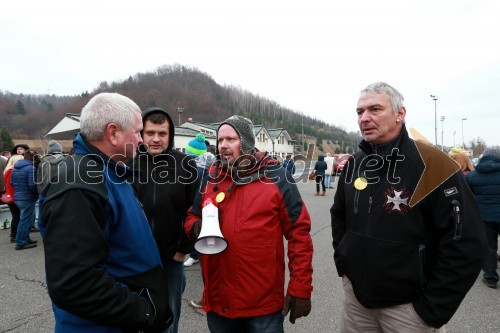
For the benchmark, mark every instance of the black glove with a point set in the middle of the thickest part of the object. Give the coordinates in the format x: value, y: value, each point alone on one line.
x: 298, y: 307
x: 195, y: 230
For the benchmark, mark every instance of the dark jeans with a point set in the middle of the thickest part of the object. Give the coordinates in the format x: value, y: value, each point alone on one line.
x: 194, y: 254
x: 272, y: 323
x: 176, y: 282
x: 16, y: 215
x: 490, y: 265
x: 320, y: 179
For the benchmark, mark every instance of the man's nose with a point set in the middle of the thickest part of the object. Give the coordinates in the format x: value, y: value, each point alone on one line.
x: 364, y: 117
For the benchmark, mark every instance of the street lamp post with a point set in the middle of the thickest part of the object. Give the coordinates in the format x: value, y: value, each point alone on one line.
x: 442, y: 143
x: 454, y: 132
x: 302, y: 125
x: 435, y: 119
x: 180, y: 110
x: 463, y: 141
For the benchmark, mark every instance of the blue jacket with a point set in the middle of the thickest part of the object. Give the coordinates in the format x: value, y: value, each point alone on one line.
x: 485, y: 184
x: 23, y: 181
x: 320, y: 166
x: 289, y: 165
x: 103, y: 268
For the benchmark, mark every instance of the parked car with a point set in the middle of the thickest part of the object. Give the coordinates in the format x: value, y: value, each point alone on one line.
x: 340, y: 161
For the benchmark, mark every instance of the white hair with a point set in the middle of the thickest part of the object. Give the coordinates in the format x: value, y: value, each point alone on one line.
x: 395, y: 96
x: 106, y: 108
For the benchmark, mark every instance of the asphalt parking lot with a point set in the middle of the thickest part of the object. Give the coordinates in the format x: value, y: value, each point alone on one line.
x: 25, y: 306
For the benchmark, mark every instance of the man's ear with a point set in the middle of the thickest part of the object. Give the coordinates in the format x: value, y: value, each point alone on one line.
x: 112, y: 133
x: 401, y: 114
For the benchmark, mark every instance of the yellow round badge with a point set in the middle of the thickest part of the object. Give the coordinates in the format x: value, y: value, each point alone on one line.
x: 361, y: 183
x: 220, y: 197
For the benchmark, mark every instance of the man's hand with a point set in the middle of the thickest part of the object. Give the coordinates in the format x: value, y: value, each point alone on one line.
x: 178, y: 257
x: 298, y: 307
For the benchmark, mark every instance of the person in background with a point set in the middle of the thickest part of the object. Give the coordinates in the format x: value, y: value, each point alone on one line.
x: 259, y: 204
x: 25, y: 196
x: 3, y: 164
x: 203, y: 163
x: 289, y: 164
x: 408, y: 239
x: 19, y: 149
x: 196, y: 147
x: 166, y: 187
x: 103, y: 268
x: 6, y: 154
x: 15, y: 212
x: 48, y: 168
x: 320, y: 167
x: 464, y: 162
x: 485, y: 184
x: 330, y: 160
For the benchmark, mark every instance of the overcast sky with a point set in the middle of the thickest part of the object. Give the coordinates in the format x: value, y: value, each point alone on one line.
x: 310, y: 56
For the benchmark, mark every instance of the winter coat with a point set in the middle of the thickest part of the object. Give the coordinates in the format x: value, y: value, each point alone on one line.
x: 3, y: 164
x: 103, y: 268
x: 289, y: 165
x: 8, y: 186
x: 398, y: 239
x: 166, y: 186
x: 320, y: 166
x: 330, y: 161
x: 485, y: 184
x: 47, y: 169
x: 23, y: 181
x: 260, y: 207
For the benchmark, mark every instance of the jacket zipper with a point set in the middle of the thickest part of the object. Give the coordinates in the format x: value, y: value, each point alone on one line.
x: 370, y: 205
x: 356, y: 201
x: 154, y: 201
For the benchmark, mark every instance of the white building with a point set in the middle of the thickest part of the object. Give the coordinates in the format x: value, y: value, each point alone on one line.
x: 276, y: 141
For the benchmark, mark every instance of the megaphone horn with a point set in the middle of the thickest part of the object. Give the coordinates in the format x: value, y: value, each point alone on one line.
x: 210, y: 240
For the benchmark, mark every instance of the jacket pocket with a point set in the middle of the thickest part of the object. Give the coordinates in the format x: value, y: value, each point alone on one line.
x: 382, y: 272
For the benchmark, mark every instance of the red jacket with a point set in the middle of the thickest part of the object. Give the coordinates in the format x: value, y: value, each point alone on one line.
x: 248, y: 278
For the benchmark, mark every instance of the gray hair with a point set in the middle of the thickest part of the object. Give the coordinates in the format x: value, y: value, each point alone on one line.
x: 397, y: 100
x: 106, y: 108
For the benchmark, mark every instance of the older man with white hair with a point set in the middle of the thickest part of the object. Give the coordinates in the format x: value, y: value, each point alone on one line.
x: 104, y: 272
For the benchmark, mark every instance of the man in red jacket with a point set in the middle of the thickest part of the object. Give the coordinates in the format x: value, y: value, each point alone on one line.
x: 258, y: 204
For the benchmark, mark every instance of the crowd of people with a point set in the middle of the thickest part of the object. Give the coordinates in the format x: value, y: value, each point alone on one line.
x: 411, y: 227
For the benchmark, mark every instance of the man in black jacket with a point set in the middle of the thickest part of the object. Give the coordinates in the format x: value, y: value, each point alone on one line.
x: 103, y: 268
x: 166, y: 187
x: 407, y: 234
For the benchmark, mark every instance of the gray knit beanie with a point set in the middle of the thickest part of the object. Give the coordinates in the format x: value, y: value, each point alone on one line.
x: 54, y: 147
x: 244, y: 127
x: 492, y: 151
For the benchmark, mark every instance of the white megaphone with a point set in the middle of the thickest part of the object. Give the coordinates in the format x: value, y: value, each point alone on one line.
x: 210, y: 240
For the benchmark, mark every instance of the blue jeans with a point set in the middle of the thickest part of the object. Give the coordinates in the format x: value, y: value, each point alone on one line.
x: 271, y: 323
x: 176, y: 281
x: 328, y: 180
x: 490, y: 265
x: 26, y: 221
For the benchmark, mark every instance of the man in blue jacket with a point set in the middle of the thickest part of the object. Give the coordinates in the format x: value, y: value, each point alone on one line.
x: 104, y: 272
x: 25, y: 195
x: 485, y: 184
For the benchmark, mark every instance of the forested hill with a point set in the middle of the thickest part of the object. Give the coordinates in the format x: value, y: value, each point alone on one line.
x: 170, y: 87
